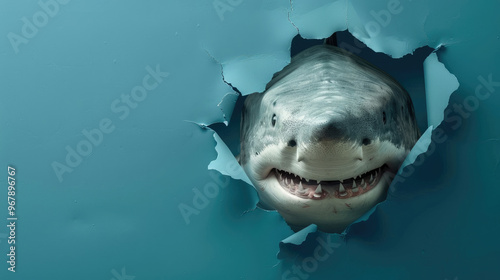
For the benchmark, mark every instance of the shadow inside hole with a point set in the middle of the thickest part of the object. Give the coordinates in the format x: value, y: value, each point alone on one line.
x: 408, y: 71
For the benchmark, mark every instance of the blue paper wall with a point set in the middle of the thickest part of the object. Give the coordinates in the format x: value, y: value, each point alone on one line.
x: 100, y: 113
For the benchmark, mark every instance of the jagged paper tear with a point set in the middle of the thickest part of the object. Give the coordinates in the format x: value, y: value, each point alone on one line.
x: 65, y: 63
x: 439, y: 85
x: 224, y: 155
x: 226, y: 163
x: 383, y: 26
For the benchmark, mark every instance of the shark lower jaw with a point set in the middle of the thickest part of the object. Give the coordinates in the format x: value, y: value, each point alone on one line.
x: 323, y: 201
x: 333, y: 210
x: 310, y: 189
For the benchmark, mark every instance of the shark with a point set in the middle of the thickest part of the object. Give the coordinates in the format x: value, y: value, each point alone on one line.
x: 322, y: 143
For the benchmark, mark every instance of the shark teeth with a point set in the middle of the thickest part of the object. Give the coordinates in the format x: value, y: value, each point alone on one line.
x: 319, y: 189
x: 342, y: 191
x: 301, y: 189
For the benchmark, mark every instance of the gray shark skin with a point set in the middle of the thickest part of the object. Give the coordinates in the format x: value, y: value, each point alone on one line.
x: 323, y: 142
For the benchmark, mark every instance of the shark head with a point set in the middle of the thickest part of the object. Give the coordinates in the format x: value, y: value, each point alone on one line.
x: 323, y: 142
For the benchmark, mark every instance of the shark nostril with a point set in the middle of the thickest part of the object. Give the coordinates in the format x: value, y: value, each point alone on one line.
x: 366, y: 141
x: 292, y: 143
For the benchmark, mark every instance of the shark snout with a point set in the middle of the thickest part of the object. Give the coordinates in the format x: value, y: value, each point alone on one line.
x: 333, y: 148
x: 331, y: 153
x: 341, y: 129
x: 330, y: 133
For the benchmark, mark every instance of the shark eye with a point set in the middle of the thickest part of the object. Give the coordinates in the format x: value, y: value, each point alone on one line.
x: 273, y: 120
x: 384, y: 117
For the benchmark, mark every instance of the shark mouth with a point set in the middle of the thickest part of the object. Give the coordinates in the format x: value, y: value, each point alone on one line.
x: 317, y: 190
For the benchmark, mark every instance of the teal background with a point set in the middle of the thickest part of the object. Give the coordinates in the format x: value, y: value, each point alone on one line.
x: 116, y: 215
